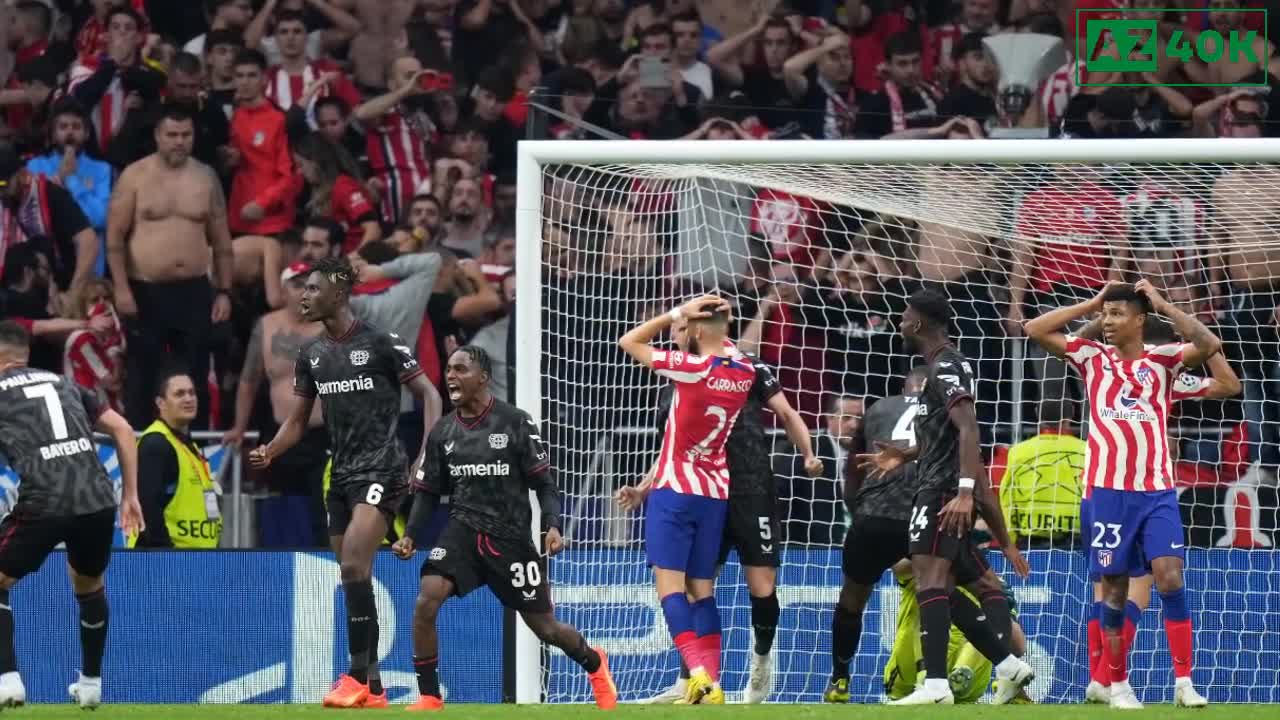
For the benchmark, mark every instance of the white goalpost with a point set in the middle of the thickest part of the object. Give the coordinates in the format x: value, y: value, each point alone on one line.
x: 817, y: 244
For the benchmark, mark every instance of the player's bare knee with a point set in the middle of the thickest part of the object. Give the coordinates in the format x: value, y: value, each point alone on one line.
x: 699, y: 588
x: 354, y: 570
x: 6, y: 582
x: 1168, y: 579
x: 761, y: 581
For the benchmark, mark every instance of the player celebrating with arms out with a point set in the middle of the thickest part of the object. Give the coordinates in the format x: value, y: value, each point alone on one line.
x: 487, y: 455
x: 751, y: 521
x: 950, y: 479
x: 357, y: 372
x: 687, y: 509
x: 46, y: 432
x: 1133, y: 506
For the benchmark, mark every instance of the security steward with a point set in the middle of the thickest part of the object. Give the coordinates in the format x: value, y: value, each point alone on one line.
x: 177, y: 492
x: 1040, y: 491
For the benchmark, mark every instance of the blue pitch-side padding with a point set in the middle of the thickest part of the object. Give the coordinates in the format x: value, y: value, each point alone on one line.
x: 270, y: 627
x: 243, y: 627
x: 1231, y: 592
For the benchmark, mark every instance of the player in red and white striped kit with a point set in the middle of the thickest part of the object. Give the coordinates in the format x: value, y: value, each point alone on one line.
x: 1133, y: 509
x: 687, y: 508
x: 1222, y: 383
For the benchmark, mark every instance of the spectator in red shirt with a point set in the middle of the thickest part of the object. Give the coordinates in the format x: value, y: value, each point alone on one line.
x: 264, y: 189
x: 870, y: 30
x: 288, y: 81
x: 336, y: 195
x: 398, y: 130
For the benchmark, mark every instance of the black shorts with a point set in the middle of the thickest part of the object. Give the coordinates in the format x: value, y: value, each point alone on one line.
x: 751, y: 527
x: 26, y: 541
x: 872, y: 546
x: 381, y: 491
x: 968, y: 562
x: 513, y: 570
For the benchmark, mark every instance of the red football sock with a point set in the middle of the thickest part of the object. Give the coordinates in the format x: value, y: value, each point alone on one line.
x: 710, y: 652
x: 1179, y: 633
x: 1096, y: 665
x: 1127, y: 634
x: 1115, y: 656
x: 690, y: 648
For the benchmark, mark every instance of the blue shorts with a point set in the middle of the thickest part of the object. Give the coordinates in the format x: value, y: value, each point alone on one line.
x: 1089, y: 532
x: 1126, y: 530
x: 683, y: 532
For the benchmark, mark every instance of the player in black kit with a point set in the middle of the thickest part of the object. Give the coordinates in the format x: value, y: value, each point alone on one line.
x: 950, y: 478
x: 487, y: 455
x: 357, y: 372
x: 751, y: 525
x: 879, y: 507
x: 64, y: 496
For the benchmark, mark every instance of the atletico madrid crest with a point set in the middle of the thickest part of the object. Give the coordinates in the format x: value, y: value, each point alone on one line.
x: 1104, y: 558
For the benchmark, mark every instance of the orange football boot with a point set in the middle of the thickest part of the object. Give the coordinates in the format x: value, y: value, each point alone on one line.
x: 427, y: 703
x: 602, y: 683
x: 346, y: 693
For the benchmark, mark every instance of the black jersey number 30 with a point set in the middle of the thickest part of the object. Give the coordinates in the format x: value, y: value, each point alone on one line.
x: 525, y: 574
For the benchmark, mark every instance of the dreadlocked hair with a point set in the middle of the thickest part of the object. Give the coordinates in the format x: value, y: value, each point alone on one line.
x: 479, y: 357
x: 337, y: 269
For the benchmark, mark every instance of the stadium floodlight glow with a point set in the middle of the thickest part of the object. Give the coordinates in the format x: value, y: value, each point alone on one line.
x: 604, y: 226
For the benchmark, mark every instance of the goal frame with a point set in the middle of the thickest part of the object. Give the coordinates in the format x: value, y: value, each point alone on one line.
x: 533, y: 155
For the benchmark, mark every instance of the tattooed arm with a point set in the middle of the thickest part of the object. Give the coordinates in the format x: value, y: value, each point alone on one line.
x: 251, y: 376
x: 219, y: 235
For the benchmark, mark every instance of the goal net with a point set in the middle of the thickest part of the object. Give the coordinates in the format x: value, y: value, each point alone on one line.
x: 818, y: 244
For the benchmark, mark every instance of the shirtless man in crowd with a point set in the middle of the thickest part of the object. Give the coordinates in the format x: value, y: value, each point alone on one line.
x: 382, y: 38
x: 161, y: 241
x: 273, y: 350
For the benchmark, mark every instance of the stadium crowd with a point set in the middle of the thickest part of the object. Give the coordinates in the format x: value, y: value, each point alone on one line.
x: 169, y: 169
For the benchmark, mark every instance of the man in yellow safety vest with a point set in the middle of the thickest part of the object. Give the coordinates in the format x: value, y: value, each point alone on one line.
x: 179, y: 497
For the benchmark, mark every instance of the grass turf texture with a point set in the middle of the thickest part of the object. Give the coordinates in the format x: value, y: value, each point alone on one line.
x: 649, y: 712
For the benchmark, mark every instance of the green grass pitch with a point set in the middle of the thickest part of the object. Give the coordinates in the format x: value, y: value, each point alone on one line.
x: 648, y: 712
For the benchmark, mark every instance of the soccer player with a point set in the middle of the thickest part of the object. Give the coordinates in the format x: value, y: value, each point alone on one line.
x: 879, y: 506
x: 685, y: 524
x: 969, y: 672
x: 951, y: 478
x: 357, y: 372
x: 46, y: 432
x: 487, y: 455
x: 1133, y: 507
x: 751, y: 523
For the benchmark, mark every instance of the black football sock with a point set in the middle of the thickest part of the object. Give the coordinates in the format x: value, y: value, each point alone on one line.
x: 975, y: 623
x: 375, y: 676
x: 8, y: 657
x: 935, y: 631
x: 764, y: 619
x: 846, y: 631
x: 581, y: 653
x: 427, y: 670
x: 684, y: 670
x: 360, y: 611
x: 996, y: 607
x: 93, y: 631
